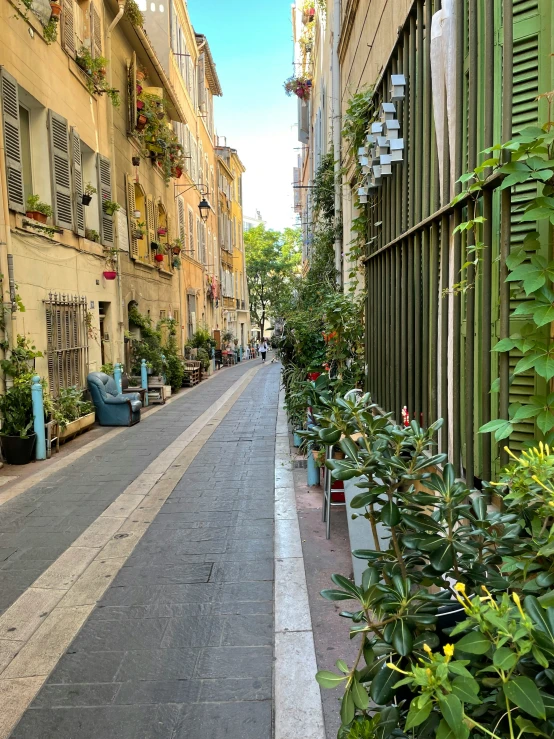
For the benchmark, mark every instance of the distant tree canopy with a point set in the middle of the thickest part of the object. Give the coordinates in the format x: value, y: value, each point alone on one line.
x: 273, y: 260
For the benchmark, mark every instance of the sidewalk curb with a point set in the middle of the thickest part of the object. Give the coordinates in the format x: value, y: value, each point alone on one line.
x: 298, y: 707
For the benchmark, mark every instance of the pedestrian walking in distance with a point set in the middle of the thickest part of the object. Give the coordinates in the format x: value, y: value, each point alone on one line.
x: 263, y: 350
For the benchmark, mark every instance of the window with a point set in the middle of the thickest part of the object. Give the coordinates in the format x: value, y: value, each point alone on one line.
x: 191, y: 232
x: 67, y: 322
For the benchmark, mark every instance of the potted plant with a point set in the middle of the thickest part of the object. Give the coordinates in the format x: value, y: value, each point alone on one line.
x: 159, y: 257
x: 110, y: 207
x: 139, y: 230
x: 92, y: 235
x: 140, y: 104
x: 137, y: 214
x: 37, y: 210
x: 17, y: 437
x: 55, y: 9
x: 72, y: 413
x: 89, y: 191
x: 176, y: 262
x: 142, y: 120
x: 136, y: 162
x: 110, y: 273
x: 299, y: 86
x: 162, y: 231
x: 177, y: 247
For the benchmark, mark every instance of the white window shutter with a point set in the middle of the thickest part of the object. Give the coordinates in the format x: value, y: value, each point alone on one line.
x: 104, y: 170
x: 77, y: 172
x: 67, y: 34
x: 60, y: 170
x: 95, y: 32
x: 12, y: 142
x: 191, y: 233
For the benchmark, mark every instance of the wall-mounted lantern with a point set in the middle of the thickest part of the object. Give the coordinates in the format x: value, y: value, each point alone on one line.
x: 398, y: 87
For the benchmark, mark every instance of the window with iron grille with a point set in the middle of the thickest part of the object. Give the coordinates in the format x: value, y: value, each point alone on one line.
x: 67, y: 327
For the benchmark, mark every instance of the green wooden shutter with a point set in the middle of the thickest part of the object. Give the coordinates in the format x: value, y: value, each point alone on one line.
x: 61, y: 170
x: 95, y: 32
x: 77, y: 173
x: 68, y: 27
x: 104, y: 171
x: 530, y: 74
x: 12, y: 142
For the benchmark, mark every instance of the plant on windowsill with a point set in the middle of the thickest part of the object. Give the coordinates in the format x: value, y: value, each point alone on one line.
x: 56, y: 10
x: 140, y: 229
x: 156, y: 134
x: 89, y: 191
x: 110, y: 207
x: 110, y: 272
x: 177, y: 247
x: 92, y: 235
x: 49, y: 29
x: 176, y: 262
x: 37, y: 210
x: 95, y: 70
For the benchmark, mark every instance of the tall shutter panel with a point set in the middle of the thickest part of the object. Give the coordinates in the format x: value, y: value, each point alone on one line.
x: 150, y: 228
x: 104, y: 171
x: 95, y: 32
x: 191, y: 233
x: 68, y: 27
x: 131, y: 207
x: 132, y: 97
x: 173, y: 27
x: 77, y: 172
x: 12, y: 142
x: 170, y: 237
x: 199, y: 238
x: 181, y: 214
x: 61, y: 170
x: 527, y: 84
x: 201, y: 83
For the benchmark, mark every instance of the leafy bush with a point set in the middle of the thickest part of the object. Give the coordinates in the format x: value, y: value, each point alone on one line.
x: 16, y: 408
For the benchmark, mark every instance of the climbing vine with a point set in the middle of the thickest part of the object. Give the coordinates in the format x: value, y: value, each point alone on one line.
x: 530, y: 274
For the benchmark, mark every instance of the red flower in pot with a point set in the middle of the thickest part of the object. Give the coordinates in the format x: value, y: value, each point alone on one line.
x: 159, y: 257
x: 140, y: 104
x: 162, y: 231
x: 109, y: 274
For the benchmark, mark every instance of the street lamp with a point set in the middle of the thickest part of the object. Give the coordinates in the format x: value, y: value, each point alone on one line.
x: 204, y: 207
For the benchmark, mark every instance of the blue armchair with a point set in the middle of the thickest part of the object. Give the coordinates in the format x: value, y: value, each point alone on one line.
x: 112, y: 409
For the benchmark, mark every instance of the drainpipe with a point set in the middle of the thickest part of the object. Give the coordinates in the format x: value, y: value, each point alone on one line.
x: 119, y: 15
x: 336, y: 123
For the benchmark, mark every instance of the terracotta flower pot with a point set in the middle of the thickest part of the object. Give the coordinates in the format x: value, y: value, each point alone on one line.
x: 142, y: 120
x: 109, y: 274
x: 56, y: 10
x: 176, y: 250
x: 36, y: 216
x: 140, y: 75
x: 159, y: 257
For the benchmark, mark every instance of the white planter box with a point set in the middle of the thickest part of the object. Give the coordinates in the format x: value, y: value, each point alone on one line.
x: 77, y: 427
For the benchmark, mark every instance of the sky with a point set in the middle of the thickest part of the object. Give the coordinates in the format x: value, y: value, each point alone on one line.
x: 251, y: 43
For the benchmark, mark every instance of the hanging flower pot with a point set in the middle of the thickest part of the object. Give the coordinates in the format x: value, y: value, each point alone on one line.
x: 141, y: 76
x: 139, y: 89
x: 142, y: 120
x: 85, y: 199
x: 56, y: 10
x: 176, y: 250
x: 140, y: 104
x: 136, y: 162
x: 159, y: 257
x: 177, y: 172
x: 162, y: 231
x: 109, y: 274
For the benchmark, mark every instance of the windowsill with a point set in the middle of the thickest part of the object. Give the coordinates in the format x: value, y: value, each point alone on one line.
x: 79, y: 74
x: 143, y: 265
x: 38, y: 229
x: 31, y: 19
x: 165, y: 273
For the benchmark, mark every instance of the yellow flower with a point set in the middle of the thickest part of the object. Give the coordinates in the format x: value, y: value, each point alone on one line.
x: 392, y: 666
x: 448, y: 651
x: 427, y: 649
x: 460, y: 587
x: 512, y: 455
x: 517, y: 601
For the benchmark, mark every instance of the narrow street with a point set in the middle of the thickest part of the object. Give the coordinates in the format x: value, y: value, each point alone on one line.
x: 137, y: 583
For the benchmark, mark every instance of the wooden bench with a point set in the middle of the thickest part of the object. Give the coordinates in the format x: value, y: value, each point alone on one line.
x: 192, y: 372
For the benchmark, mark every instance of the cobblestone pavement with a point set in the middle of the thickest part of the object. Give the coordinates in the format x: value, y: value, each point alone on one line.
x: 181, y: 644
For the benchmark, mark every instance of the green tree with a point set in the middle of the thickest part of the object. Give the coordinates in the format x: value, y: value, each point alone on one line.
x: 272, y: 267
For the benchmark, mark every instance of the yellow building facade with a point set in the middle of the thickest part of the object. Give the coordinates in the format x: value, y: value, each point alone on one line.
x: 125, y: 229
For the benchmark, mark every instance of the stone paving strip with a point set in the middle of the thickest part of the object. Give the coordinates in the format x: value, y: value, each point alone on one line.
x: 38, y: 628
x: 298, y: 709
